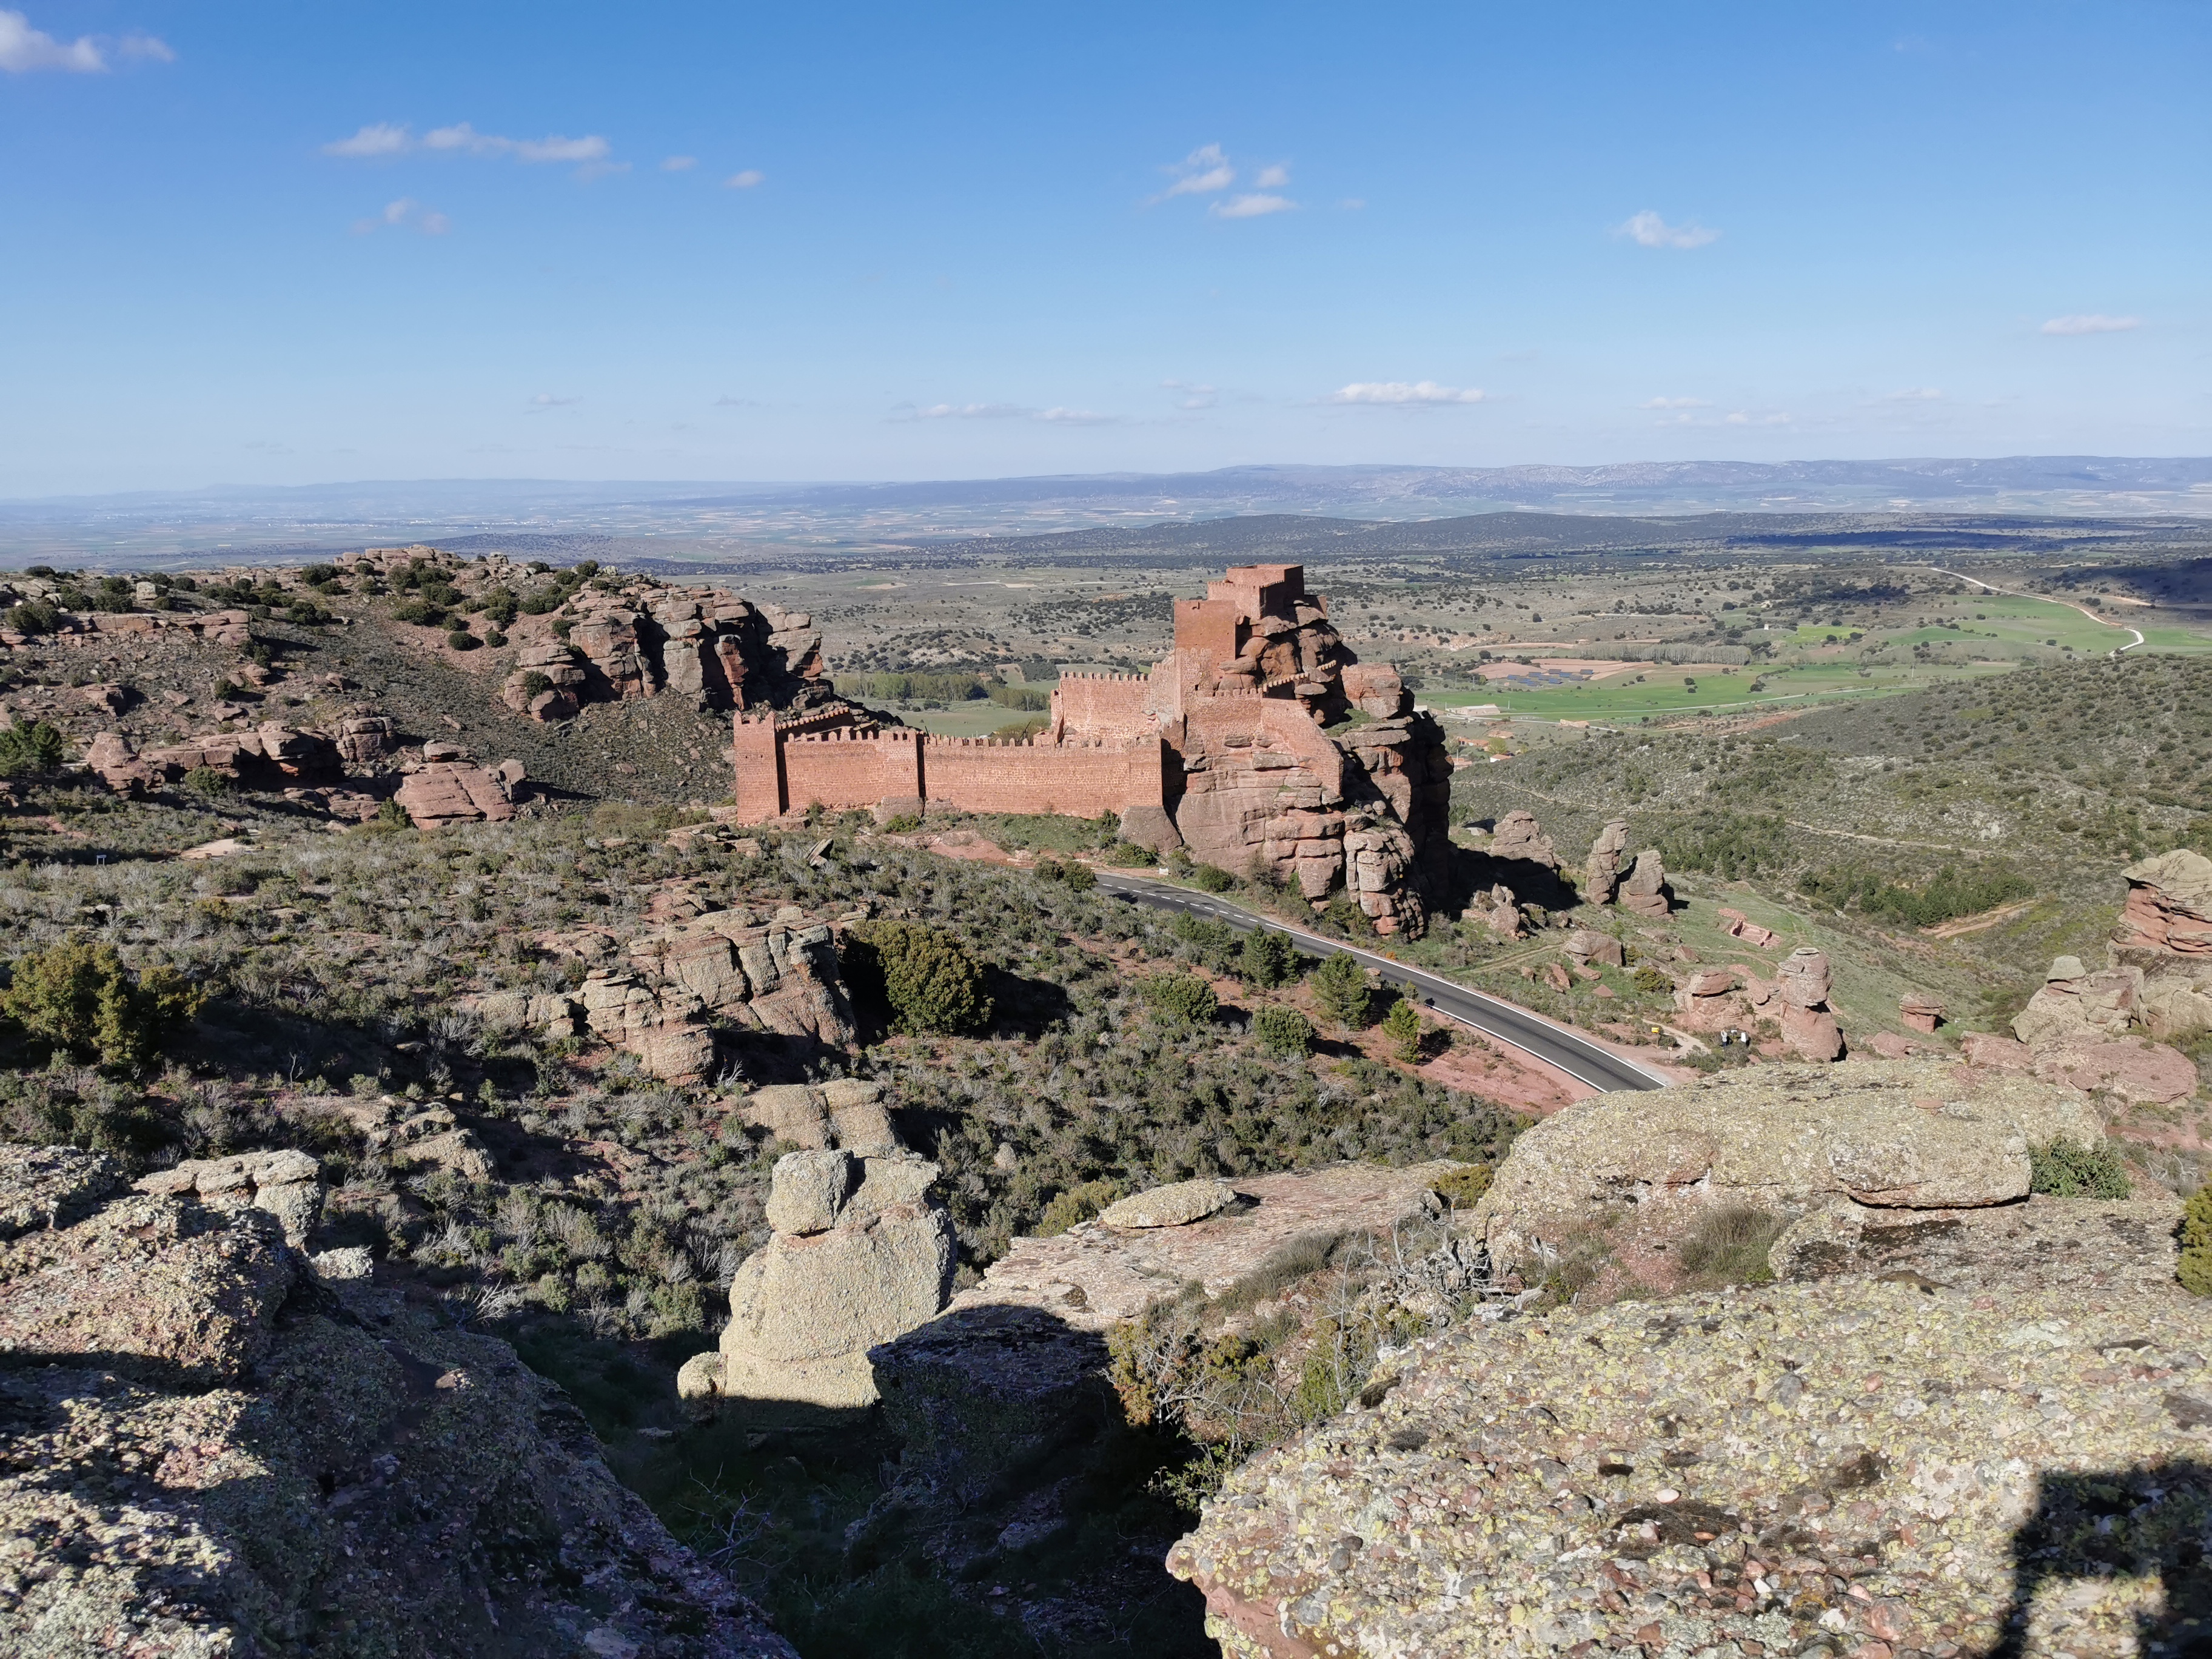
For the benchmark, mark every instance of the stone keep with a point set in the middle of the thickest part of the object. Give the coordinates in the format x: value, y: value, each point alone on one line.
x: 859, y: 1254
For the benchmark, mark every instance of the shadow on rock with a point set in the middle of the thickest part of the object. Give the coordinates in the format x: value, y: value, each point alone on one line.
x: 2096, y: 1533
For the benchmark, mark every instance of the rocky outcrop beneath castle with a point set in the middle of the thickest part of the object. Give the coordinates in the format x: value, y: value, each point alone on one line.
x: 548, y: 683
x: 859, y: 1254
x: 1850, y: 1466
x: 202, y: 1450
x: 1643, y: 890
x: 704, y: 644
x: 1784, y: 1140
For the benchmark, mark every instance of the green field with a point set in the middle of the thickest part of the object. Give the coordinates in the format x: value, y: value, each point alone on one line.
x: 1816, y: 665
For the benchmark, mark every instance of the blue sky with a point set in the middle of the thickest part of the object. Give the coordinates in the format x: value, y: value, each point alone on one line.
x: 291, y: 243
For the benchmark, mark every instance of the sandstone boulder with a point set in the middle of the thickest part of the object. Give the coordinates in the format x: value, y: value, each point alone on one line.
x: 1645, y: 891
x: 286, y: 1184
x: 1175, y: 1206
x: 805, y: 1308
x: 1920, y: 1011
x: 1516, y: 838
x: 51, y: 1186
x: 364, y: 739
x: 2136, y: 1070
x: 1591, y: 948
x: 116, y: 763
x: 1782, y: 1139
x: 1500, y: 911
x: 1601, y: 874
x: 448, y: 791
x: 2165, y: 928
x: 2075, y: 1005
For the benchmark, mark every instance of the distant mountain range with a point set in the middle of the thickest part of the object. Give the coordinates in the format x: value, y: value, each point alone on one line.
x: 691, y: 518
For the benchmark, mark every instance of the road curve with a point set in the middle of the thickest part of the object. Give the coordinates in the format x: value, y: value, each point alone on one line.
x: 1548, y: 1041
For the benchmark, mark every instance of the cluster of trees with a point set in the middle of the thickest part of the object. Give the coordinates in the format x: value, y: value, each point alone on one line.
x: 1953, y: 891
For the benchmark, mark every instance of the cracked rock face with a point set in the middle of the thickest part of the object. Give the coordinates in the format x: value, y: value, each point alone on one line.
x: 1886, y: 1468
x: 204, y: 1452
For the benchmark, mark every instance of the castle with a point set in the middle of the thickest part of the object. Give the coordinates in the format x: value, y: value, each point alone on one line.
x: 1225, y: 748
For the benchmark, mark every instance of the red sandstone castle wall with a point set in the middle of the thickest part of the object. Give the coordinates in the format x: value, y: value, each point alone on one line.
x: 979, y: 775
x: 1210, y: 625
x: 1107, y: 706
x: 758, y: 758
x: 838, y: 771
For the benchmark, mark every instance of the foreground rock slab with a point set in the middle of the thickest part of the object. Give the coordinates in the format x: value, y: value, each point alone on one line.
x: 205, y: 1452
x: 1093, y: 1274
x: 1878, y: 1466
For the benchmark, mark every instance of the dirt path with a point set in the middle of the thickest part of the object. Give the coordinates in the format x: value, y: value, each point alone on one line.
x: 2101, y: 621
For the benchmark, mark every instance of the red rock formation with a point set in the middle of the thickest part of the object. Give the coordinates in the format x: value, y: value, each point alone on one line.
x: 1645, y: 891
x: 447, y: 789
x: 2166, y: 925
x: 1807, y: 1026
x: 1920, y: 1011
x: 1601, y: 874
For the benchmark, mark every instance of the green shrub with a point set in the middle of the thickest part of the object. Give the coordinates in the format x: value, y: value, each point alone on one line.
x: 461, y: 639
x: 1464, y: 1188
x: 1727, y: 1245
x: 2195, y: 1268
x: 535, y: 684
x: 1075, y: 876
x: 1077, y: 1204
x: 34, y: 747
x: 1653, y: 981
x: 902, y: 824
x: 33, y: 617
x: 1282, y: 1031
x: 1341, y: 989
x: 1207, y: 879
x: 1401, y: 1030
x: 923, y: 974
x: 501, y: 606
x: 1184, y: 998
x: 494, y: 638
x: 81, y: 998
x: 2067, y: 1168
x: 1267, y: 959
x: 207, y: 783
x: 391, y: 815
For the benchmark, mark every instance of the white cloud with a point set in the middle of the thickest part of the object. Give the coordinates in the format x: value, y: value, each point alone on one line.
x: 1917, y: 394
x: 2090, y: 323
x: 1648, y: 229
x: 389, y: 138
x: 23, y: 49
x: 1271, y: 179
x: 378, y: 138
x: 1352, y: 203
x: 1403, y: 394
x: 1741, y: 418
x: 1251, y: 207
x: 745, y: 180
x: 728, y: 402
x: 1075, y: 418
x: 1674, y: 403
x: 679, y: 163
x: 150, y: 47
x: 402, y: 213
x: 1057, y: 415
x: 1201, y: 172
x: 1193, y: 396
x: 547, y: 400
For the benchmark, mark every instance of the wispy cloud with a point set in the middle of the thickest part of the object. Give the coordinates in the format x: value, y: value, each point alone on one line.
x: 1403, y: 393
x: 1674, y: 403
x: 745, y: 180
x: 678, y: 163
x: 547, y: 400
x: 377, y: 138
x: 24, y: 50
x: 1744, y: 418
x: 1203, y: 171
x: 2092, y: 323
x: 1057, y: 415
x: 725, y: 401
x: 1916, y: 394
x: 1191, y: 396
x: 397, y: 138
x: 1648, y: 229
x: 404, y: 213
x: 1272, y: 178
x: 1253, y: 206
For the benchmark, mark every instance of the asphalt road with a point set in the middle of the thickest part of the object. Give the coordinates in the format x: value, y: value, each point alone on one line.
x: 1554, y: 1043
